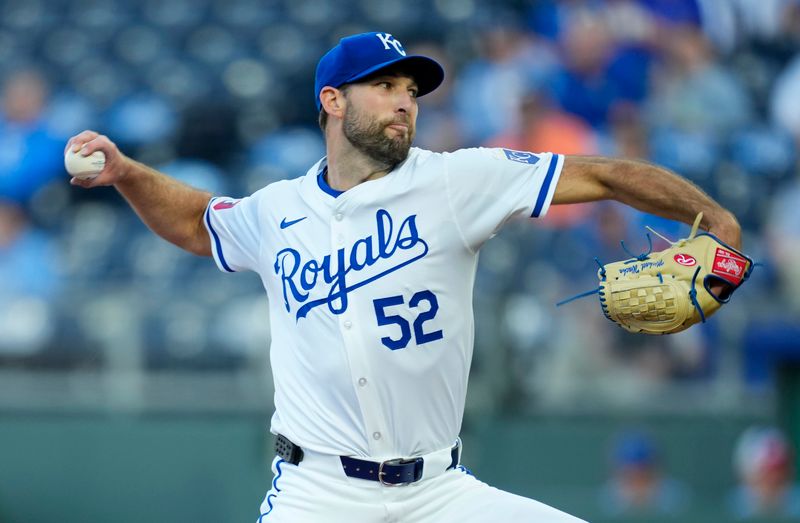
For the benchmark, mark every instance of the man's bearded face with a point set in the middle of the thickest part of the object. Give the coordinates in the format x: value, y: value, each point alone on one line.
x: 370, y: 136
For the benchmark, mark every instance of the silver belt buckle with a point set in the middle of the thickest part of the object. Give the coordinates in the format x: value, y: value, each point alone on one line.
x: 400, y: 461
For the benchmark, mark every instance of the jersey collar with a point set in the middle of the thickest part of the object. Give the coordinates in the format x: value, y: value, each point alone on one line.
x: 323, y: 169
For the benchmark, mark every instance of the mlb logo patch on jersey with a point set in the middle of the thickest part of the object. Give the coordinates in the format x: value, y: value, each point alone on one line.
x: 521, y: 156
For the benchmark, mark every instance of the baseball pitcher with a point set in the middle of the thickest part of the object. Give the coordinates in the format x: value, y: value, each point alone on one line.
x: 368, y: 261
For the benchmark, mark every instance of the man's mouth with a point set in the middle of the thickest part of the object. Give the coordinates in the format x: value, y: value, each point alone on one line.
x: 399, y: 126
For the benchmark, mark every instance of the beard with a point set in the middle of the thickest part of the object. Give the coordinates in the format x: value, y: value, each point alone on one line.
x: 368, y: 136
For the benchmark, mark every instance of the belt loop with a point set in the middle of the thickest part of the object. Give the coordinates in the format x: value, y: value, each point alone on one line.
x: 455, y: 453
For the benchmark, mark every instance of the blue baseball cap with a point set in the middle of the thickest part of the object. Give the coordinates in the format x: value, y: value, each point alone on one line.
x: 358, y: 56
x: 635, y: 448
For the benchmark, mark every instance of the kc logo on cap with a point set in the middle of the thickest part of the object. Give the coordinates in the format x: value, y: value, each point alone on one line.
x: 358, y: 56
x: 388, y: 40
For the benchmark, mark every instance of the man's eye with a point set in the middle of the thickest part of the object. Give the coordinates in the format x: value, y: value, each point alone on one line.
x: 413, y: 93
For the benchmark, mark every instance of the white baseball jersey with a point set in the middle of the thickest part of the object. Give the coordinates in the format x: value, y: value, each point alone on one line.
x: 370, y: 291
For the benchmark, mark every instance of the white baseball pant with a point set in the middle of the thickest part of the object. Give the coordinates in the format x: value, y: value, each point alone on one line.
x: 318, y: 491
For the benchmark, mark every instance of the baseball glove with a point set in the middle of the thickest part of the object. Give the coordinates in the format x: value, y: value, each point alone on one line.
x: 669, y: 291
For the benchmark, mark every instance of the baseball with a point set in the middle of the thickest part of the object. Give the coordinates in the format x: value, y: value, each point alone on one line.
x: 84, y: 167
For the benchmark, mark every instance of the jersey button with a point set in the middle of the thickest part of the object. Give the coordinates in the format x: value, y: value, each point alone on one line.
x: 362, y: 382
x: 339, y: 216
x: 348, y: 324
x: 376, y: 435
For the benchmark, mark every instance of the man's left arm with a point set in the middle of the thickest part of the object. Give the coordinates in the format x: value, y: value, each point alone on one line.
x: 647, y: 187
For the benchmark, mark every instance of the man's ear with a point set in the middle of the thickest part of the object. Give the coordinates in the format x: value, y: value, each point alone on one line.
x: 332, y: 101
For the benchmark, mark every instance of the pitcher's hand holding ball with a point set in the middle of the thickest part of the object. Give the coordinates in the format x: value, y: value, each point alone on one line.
x: 83, y: 157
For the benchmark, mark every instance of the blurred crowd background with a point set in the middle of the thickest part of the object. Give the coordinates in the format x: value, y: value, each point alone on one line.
x: 96, y: 313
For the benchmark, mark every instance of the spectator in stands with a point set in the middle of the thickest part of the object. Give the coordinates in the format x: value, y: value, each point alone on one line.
x: 583, y: 86
x: 763, y: 463
x: 30, y: 156
x: 638, y: 485
x: 770, y: 339
x: 782, y: 232
x: 488, y: 91
x: 693, y: 91
x: 785, y: 103
x: 28, y: 282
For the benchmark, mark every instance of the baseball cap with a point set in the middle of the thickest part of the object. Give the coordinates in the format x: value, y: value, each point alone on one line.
x: 634, y: 448
x: 358, y: 56
x: 761, y: 449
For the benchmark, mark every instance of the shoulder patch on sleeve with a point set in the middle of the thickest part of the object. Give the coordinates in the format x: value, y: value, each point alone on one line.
x: 518, y: 156
x: 225, y: 204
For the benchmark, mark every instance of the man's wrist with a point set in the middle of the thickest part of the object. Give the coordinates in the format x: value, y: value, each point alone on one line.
x: 726, y: 227
x: 127, y: 170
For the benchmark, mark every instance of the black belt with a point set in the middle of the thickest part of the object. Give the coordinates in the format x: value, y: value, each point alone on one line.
x: 398, y: 471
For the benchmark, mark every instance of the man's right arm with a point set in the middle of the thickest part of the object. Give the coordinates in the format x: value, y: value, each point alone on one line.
x: 171, y: 209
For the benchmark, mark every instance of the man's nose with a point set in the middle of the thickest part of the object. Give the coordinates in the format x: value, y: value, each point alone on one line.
x: 405, y: 102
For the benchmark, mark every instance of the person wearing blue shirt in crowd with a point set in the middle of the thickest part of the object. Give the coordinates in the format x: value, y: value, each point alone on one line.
x: 639, y: 486
x: 30, y: 155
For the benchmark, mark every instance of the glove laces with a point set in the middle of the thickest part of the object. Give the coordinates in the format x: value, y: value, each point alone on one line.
x: 682, y: 241
x: 643, y: 257
x: 602, y: 273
